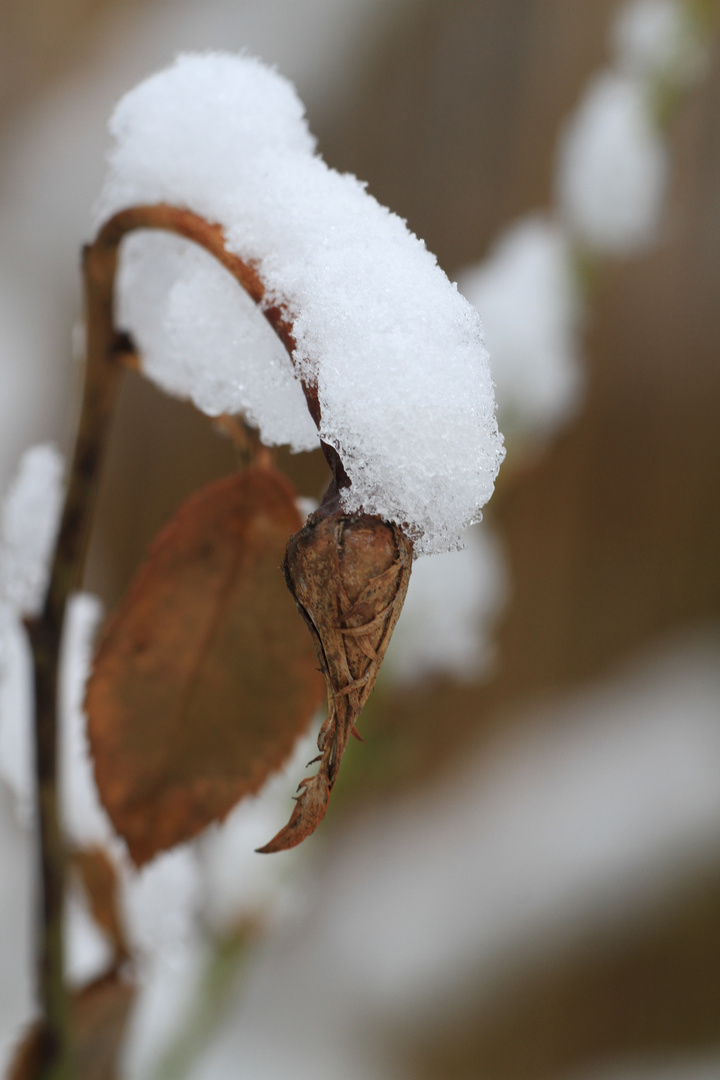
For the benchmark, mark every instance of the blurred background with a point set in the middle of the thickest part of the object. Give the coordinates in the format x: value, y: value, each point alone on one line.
x: 520, y: 877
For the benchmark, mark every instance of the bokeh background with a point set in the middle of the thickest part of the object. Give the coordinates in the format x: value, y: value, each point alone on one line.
x: 520, y: 877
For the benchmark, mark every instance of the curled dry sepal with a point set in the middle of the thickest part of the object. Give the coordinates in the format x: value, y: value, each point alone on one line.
x: 349, y: 575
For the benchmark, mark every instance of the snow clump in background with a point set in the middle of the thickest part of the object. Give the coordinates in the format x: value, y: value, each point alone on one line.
x: 527, y: 296
x: 613, y: 168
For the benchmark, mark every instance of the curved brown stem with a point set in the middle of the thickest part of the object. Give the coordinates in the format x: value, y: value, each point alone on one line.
x: 192, y: 227
x: 211, y: 237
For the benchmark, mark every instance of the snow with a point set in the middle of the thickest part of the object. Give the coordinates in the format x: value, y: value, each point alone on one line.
x: 449, y: 612
x: 236, y: 882
x: 613, y: 168
x: 30, y: 390
x: 397, y: 353
x: 30, y: 519
x: 527, y: 296
x: 576, y: 815
x: 164, y: 1007
x: 203, y: 338
x: 88, y: 950
x: 644, y: 36
x: 609, y: 854
x: 578, y: 819
x: 657, y: 39
x: 61, y: 132
x: 614, y: 162
x: 16, y: 698
x: 195, y: 895
x: 28, y: 525
x: 17, y: 924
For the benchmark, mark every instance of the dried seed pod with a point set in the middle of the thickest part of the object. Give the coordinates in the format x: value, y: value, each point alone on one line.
x: 349, y: 575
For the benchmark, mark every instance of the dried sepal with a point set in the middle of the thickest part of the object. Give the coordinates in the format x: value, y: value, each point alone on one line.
x: 349, y: 575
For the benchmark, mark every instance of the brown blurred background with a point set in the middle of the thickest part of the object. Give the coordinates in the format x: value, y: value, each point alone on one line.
x: 451, y: 113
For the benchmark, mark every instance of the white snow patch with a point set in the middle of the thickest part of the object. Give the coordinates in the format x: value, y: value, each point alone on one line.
x: 30, y: 519
x: 204, y: 339
x: 575, y: 817
x: 668, y: 1066
x: 161, y: 902
x: 17, y: 755
x: 658, y: 39
x: 526, y: 294
x: 451, y: 606
x: 88, y: 951
x: 613, y: 168
x: 84, y: 818
x: 17, y: 930
x: 28, y: 526
x: 237, y: 881
x: 166, y: 996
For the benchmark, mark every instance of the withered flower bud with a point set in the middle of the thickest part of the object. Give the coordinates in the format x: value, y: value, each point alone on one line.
x: 349, y: 575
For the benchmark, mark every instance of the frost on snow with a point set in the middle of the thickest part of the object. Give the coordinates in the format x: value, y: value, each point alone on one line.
x: 613, y: 168
x: 527, y: 295
x: 397, y: 353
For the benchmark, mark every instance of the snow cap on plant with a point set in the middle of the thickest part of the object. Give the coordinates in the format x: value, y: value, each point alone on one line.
x: 395, y: 353
x: 383, y: 356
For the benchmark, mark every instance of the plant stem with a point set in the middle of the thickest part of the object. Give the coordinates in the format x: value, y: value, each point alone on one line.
x: 105, y: 350
x: 108, y: 351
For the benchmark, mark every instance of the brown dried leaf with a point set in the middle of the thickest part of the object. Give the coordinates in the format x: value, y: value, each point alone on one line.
x: 349, y: 576
x: 204, y: 678
x: 99, y: 1015
x: 100, y: 882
